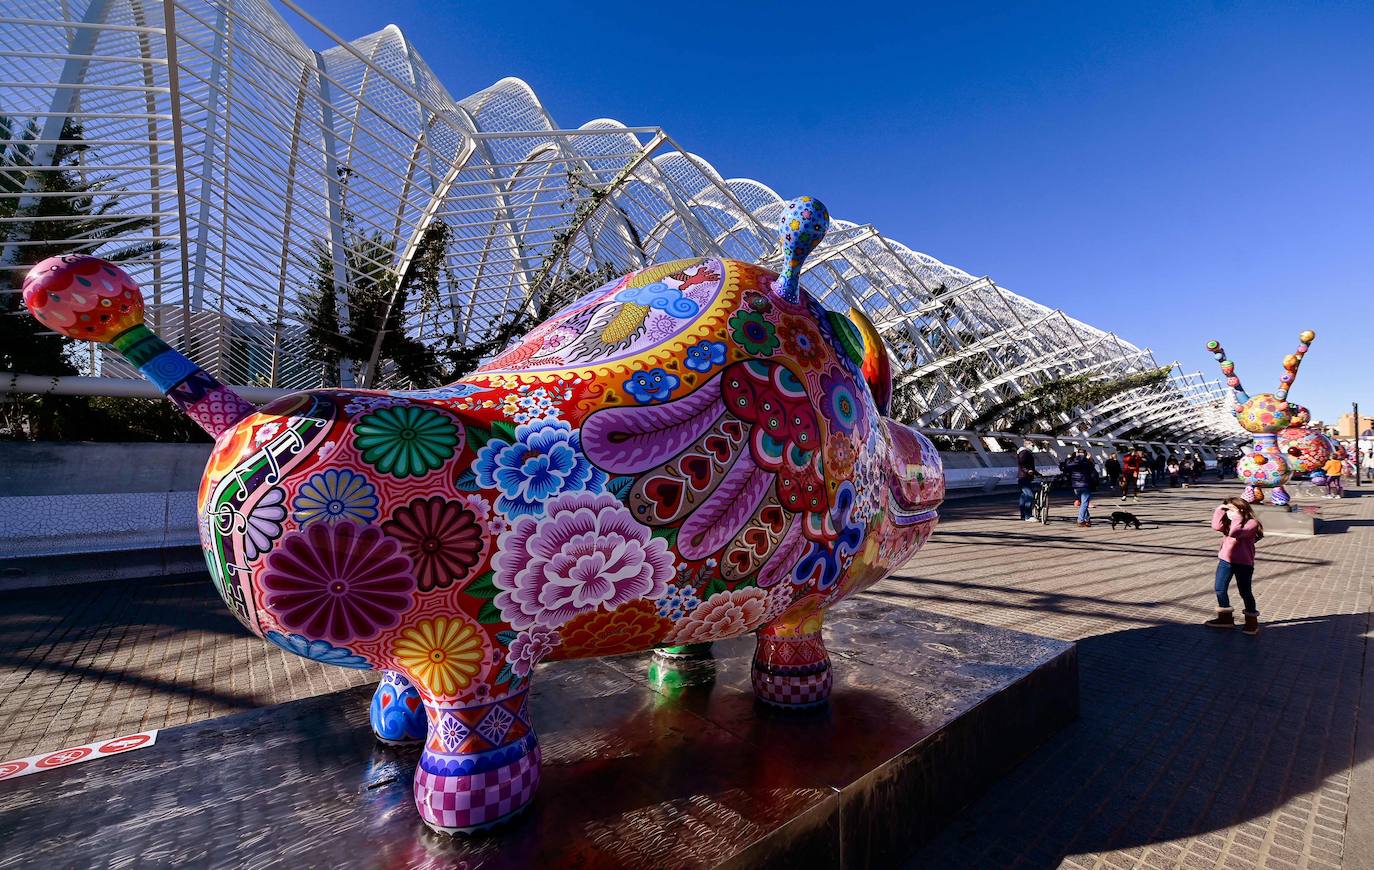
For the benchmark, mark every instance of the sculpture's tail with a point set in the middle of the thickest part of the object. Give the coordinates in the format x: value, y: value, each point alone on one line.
x: 94, y: 300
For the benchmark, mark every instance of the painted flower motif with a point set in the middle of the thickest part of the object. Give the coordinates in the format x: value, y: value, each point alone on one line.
x: 705, y: 354
x: 334, y: 495
x: 340, y: 582
x: 267, y: 432
x: 263, y: 524
x: 754, y: 333
x: 840, y: 404
x: 406, y: 441
x: 653, y: 385
x: 840, y: 453
x: 725, y: 614
x: 318, y: 650
x: 545, y: 461
x: 529, y: 648
x: 443, y: 540
x: 444, y: 655
x: 588, y: 553
x: 677, y: 602
x: 803, y: 342
x: 636, y: 626
x: 359, y: 403
x: 779, y: 599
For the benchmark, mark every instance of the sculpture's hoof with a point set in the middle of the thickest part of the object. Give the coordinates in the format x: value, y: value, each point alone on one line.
x: 480, y: 766
x: 471, y: 803
x: 792, y: 673
x: 397, y: 714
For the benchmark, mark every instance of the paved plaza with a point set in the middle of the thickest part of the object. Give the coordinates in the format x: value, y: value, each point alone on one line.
x: 1195, y: 747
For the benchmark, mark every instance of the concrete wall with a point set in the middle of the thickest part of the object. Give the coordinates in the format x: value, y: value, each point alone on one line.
x: 82, y: 511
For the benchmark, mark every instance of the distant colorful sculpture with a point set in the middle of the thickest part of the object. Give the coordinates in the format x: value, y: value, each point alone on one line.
x: 1306, y: 449
x: 692, y: 452
x: 1265, y: 415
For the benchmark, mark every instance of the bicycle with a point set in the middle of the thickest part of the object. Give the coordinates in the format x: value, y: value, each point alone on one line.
x: 1040, y: 505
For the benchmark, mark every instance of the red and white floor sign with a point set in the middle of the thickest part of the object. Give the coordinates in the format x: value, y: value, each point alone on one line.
x: 76, y: 754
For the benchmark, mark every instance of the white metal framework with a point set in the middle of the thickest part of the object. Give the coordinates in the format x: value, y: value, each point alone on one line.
x: 257, y: 172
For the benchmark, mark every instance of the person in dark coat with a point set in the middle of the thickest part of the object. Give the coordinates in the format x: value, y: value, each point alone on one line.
x: 1083, y: 479
x: 1112, y: 469
x: 1025, y: 476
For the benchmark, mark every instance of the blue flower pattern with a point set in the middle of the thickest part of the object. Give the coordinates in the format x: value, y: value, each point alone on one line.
x: 655, y: 384
x: 705, y: 354
x: 545, y: 460
x: 334, y: 495
x: 318, y: 650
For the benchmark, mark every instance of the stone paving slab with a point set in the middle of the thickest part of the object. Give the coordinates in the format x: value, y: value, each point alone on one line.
x: 1195, y: 747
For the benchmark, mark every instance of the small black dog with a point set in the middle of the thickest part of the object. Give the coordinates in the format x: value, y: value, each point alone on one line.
x: 1126, y: 518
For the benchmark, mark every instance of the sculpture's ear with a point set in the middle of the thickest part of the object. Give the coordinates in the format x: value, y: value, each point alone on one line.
x: 877, y: 367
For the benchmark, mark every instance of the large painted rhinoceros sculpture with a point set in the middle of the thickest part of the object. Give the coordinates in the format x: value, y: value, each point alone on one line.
x: 694, y: 451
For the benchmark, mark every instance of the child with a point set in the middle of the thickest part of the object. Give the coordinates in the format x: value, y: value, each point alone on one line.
x: 1236, y: 521
x: 1173, y: 472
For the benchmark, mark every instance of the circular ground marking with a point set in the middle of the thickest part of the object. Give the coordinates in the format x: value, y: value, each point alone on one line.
x: 65, y: 756
x: 124, y: 744
x: 10, y: 768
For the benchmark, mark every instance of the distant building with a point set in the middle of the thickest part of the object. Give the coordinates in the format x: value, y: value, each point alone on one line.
x: 1345, y: 427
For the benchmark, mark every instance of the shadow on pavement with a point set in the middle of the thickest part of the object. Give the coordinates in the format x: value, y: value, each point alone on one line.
x: 1184, y: 730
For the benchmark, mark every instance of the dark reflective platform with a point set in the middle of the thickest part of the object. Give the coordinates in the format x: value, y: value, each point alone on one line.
x: 643, y: 766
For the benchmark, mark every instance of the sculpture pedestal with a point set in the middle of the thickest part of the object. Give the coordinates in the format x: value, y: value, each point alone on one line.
x: 926, y: 712
x: 1301, y: 490
x: 1290, y: 521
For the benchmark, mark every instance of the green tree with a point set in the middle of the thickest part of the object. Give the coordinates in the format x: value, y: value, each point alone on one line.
x: 68, y: 206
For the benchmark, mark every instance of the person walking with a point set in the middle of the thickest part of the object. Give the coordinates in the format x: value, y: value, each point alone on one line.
x: 1112, y: 469
x: 1185, y: 470
x: 1025, y: 477
x: 1083, y: 479
x: 1174, y: 469
x: 1334, y: 468
x: 1240, y: 529
x: 1130, y: 475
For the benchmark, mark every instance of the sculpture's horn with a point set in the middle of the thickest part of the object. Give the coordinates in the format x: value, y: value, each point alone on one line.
x: 1291, y: 363
x: 877, y: 367
x: 94, y: 300
x: 1228, y: 369
x: 804, y: 222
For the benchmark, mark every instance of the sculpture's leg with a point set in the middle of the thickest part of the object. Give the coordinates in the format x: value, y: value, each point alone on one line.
x: 686, y: 651
x: 791, y: 667
x: 1278, y: 496
x: 397, y: 713
x: 480, y: 764
x: 1253, y: 494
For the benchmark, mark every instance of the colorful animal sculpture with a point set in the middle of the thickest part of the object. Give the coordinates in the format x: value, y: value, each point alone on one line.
x: 1265, y: 415
x: 692, y: 452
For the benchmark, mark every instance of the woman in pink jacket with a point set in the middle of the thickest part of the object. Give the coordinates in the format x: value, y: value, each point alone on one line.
x: 1236, y: 521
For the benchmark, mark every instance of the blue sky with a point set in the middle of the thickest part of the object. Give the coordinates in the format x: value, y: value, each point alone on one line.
x: 1172, y: 172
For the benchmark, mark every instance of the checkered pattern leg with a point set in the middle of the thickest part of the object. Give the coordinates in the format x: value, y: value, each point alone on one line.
x: 791, y: 672
x: 480, y: 765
